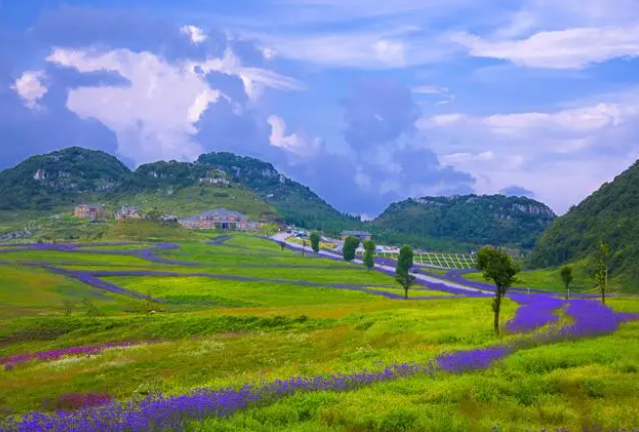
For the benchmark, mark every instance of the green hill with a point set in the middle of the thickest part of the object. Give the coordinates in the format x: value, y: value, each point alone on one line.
x: 54, y: 183
x: 610, y: 215
x: 299, y: 204
x: 463, y: 222
x: 47, y: 181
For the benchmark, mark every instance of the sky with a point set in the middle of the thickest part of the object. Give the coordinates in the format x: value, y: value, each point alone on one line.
x: 365, y: 101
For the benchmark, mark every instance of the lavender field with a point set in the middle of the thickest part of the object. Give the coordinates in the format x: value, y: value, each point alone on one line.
x: 237, y: 334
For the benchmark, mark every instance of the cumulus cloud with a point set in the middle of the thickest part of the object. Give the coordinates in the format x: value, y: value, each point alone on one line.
x: 196, y: 34
x: 298, y: 143
x: 378, y: 112
x: 30, y: 87
x: 156, y: 115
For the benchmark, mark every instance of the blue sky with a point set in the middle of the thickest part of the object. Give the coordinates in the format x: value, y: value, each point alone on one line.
x: 365, y: 101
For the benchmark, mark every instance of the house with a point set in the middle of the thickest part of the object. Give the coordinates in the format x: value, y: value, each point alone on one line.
x: 92, y: 212
x: 128, y: 212
x: 361, y: 235
x: 217, y: 219
x: 215, y: 181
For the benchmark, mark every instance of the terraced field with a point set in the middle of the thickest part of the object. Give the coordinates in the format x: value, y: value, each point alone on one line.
x: 236, y: 334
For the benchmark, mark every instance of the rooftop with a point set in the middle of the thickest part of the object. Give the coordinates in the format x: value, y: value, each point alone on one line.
x: 356, y: 233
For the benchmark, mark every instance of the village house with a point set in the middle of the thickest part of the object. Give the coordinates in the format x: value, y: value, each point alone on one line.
x: 128, y: 212
x: 221, y: 219
x: 361, y: 235
x: 92, y: 212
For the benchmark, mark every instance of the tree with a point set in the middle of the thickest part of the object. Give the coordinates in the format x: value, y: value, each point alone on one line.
x: 68, y: 306
x: 369, y: 254
x: 315, y: 241
x: 303, y: 247
x: 601, y: 269
x: 269, y: 229
x: 499, y: 267
x: 154, y: 215
x: 402, y: 270
x: 567, y: 278
x: 350, y: 248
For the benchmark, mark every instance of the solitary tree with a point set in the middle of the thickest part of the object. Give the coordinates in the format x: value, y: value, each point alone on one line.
x: 315, y: 241
x: 369, y: 254
x: 350, y: 248
x: 68, y: 306
x: 402, y: 270
x: 567, y: 278
x: 499, y: 267
x: 601, y: 269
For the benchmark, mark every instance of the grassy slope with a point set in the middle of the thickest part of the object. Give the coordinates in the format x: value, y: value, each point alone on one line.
x: 266, y: 331
x: 548, y: 279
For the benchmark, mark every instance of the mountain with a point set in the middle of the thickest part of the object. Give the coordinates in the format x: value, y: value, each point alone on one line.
x: 464, y: 222
x: 610, y: 215
x: 59, y: 180
x: 300, y: 205
x: 46, y: 181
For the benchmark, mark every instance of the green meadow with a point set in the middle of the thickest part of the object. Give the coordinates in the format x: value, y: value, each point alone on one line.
x: 212, y: 332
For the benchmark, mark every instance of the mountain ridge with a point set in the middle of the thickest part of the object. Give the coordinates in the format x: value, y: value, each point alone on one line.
x: 66, y: 177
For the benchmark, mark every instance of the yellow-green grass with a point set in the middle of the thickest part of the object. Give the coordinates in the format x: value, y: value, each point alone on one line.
x: 33, y: 291
x: 401, y: 331
x: 226, y: 292
x: 146, y: 230
x: 546, y: 279
x: 56, y: 257
x: 566, y: 386
x: 412, y: 292
x: 252, y: 242
x: 230, y: 258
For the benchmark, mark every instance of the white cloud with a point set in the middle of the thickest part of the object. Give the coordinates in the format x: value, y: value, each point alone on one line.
x: 254, y: 79
x: 562, y: 155
x: 396, y: 47
x: 153, y: 117
x: 443, y: 93
x: 574, y: 48
x: 297, y: 143
x: 194, y: 33
x: 545, y: 15
x: 156, y: 116
x: 467, y: 157
x: 30, y: 87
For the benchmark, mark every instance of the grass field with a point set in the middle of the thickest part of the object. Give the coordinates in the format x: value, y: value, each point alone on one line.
x: 547, y: 279
x: 216, y: 333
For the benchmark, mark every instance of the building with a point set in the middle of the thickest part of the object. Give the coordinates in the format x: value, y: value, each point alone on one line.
x: 215, y: 181
x: 92, y: 212
x: 128, y: 212
x: 221, y: 219
x: 361, y: 235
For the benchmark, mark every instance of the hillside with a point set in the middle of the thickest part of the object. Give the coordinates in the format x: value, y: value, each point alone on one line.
x: 299, y: 204
x: 609, y: 214
x: 464, y: 222
x: 47, y: 181
x: 55, y: 182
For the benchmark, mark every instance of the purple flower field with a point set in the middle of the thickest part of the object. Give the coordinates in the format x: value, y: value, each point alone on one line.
x: 160, y: 412
x: 55, y: 354
x: 535, y: 310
